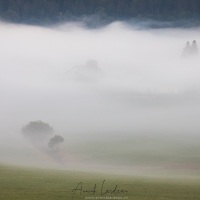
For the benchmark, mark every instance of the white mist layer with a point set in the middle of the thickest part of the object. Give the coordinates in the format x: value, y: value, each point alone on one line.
x: 140, y: 84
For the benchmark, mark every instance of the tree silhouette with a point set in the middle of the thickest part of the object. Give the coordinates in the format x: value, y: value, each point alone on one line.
x: 186, y: 50
x: 37, y: 131
x: 55, y: 141
x: 190, y: 50
x: 194, y: 48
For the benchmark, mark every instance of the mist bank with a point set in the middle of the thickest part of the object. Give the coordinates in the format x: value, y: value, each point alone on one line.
x: 108, y: 79
x: 117, y: 88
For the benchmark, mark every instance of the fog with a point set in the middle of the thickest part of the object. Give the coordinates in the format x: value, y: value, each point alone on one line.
x: 116, y: 80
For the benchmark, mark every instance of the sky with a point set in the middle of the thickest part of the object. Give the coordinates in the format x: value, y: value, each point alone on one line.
x: 110, y: 80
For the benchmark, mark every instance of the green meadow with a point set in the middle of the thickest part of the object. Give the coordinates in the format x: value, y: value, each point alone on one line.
x: 17, y: 183
x: 139, y: 168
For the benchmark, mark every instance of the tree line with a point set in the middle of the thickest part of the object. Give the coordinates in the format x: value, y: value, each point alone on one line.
x: 51, y: 11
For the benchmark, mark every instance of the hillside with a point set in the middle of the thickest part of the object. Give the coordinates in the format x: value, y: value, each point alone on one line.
x: 53, y: 11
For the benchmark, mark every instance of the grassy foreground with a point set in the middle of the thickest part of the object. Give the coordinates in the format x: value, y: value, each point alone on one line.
x: 27, y: 184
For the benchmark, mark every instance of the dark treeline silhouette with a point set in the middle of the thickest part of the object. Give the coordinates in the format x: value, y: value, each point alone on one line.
x: 52, y: 11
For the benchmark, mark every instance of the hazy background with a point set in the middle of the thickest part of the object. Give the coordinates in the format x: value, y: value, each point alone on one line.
x: 110, y: 85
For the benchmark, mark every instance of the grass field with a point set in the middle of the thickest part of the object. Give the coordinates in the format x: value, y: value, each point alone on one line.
x: 18, y: 183
x: 147, y: 168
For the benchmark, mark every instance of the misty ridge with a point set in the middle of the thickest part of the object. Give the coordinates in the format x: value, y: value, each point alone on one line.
x: 113, y: 80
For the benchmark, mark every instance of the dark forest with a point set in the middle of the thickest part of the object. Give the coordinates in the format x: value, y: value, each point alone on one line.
x: 55, y: 11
